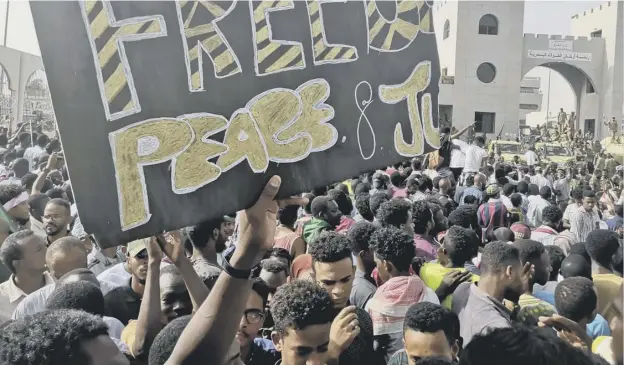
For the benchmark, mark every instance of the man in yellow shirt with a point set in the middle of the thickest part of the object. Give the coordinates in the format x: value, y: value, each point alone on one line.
x: 601, y: 246
x: 458, y: 248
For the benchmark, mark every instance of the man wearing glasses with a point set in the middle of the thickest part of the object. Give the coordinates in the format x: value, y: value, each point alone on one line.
x: 255, y: 350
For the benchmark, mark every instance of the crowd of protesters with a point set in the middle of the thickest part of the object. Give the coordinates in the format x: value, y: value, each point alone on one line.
x: 458, y: 258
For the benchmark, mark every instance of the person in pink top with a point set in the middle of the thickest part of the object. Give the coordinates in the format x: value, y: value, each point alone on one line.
x: 424, y: 225
x: 285, y: 235
x: 346, y: 208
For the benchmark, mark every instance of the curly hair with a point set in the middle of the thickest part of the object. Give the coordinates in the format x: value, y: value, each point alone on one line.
x: 557, y: 256
x: 165, y: 341
x: 359, y: 236
x: 362, y: 204
x: 300, y: 304
x: 52, y: 337
x: 464, y: 216
x: 602, y: 245
x: 344, y: 202
x: 461, y: 244
x: 80, y: 295
x: 575, y: 298
x: 521, y: 345
x: 377, y: 199
x: 330, y: 247
x: 421, y: 216
x: 362, y: 188
x: 394, y: 212
x: 8, y: 192
x: 320, y: 205
x: 288, y: 215
x: 551, y: 214
x: 430, y: 318
x: 394, y: 245
x: 273, y: 265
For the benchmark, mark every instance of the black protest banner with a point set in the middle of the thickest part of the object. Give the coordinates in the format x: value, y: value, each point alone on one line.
x: 171, y: 113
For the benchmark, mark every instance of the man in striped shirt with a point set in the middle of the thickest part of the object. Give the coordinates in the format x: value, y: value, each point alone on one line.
x: 492, y: 214
x: 585, y: 219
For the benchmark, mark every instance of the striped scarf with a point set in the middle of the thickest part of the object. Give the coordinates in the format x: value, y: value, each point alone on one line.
x: 390, y: 303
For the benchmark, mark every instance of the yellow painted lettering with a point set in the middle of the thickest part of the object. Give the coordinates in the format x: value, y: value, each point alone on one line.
x: 142, y: 144
x: 392, y: 94
x: 191, y: 169
x: 315, y: 116
x: 276, y: 111
x: 245, y: 142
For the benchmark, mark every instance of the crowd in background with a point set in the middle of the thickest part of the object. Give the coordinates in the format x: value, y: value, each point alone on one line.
x: 455, y: 258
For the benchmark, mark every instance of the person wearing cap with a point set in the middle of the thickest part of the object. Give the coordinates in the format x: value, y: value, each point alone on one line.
x: 521, y: 231
x: 492, y: 214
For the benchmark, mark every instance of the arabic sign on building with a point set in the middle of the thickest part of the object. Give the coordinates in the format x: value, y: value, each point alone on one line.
x: 175, y: 112
x: 560, y: 55
x: 560, y: 45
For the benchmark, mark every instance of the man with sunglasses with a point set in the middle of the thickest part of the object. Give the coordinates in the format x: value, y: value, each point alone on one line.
x: 255, y: 350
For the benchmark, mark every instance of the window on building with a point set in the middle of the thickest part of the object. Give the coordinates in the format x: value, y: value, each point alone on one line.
x: 486, y: 72
x: 528, y: 106
x: 447, y: 29
x: 596, y: 33
x: 488, y: 25
x: 484, y: 122
x: 590, y: 126
x: 589, y: 88
x: 445, y: 71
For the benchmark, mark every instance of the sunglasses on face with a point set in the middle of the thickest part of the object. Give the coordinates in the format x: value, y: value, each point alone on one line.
x: 254, y: 316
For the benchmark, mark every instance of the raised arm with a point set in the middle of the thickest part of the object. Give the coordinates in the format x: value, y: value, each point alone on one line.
x: 462, y: 131
x: 173, y: 247
x: 43, y: 175
x: 211, y: 331
x: 149, y: 322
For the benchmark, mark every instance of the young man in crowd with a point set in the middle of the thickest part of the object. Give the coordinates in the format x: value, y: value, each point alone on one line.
x: 363, y: 287
x: 24, y: 254
x: 429, y: 331
x: 208, y: 240
x: 362, y: 205
x: 394, y: 252
x: 37, y: 203
x: 396, y: 213
x: 62, y: 257
x: 59, y: 337
x: 20, y: 167
x: 474, y: 187
x: 274, y: 273
x: 56, y: 220
x: 303, y: 313
x: 424, y: 225
x: 253, y: 349
x: 492, y: 214
x: 537, y: 206
x: 479, y: 306
x: 585, y: 219
x: 576, y: 299
x: 33, y: 153
x: 575, y: 202
x: 534, y: 254
x: 326, y: 217
x: 550, y: 225
x: 546, y: 291
x: 458, y: 248
x: 332, y: 263
x: 601, y: 246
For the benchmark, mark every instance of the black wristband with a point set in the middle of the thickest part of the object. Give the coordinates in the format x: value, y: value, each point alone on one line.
x: 236, y: 273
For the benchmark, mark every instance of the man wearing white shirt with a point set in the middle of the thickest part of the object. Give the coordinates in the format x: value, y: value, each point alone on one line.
x: 33, y: 153
x: 458, y: 157
x: 536, y: 207
x: 475, y: 156
x: 539, y: 179
x: 531, y: 157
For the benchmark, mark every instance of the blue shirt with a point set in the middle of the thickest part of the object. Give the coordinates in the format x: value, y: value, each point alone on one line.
x: 262, y: 352
x: 471, y: 190
x: 598, y: 327
x: 615, y: 223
